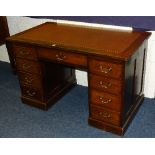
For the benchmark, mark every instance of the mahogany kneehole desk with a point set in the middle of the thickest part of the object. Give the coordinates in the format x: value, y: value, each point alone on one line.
x: 45, y: 58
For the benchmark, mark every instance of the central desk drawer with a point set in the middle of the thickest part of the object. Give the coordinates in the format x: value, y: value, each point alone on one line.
x: 62, y: 56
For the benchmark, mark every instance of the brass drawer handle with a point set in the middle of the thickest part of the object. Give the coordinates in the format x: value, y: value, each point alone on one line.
x: 105, y: 114
x: 104, y: 69
x: 26, y: 66
x: 105, y: 85
x: 31, y: 93
x: 28, y: 80
x: 24, y: 53
x: 60, y: 57
x: 104, y: 102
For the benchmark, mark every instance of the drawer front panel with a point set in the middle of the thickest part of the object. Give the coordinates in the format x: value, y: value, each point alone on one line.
x: 105, y: 115
x: 27, y: 66
x: 105, y: 68
x: 105, y: 100
x: 62, y: 56
x: 31, y: 80
x: 31, y: 93
x: 105, y: 84
x: 26, y: 52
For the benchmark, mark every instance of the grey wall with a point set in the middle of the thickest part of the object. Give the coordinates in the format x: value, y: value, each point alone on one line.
x: 137, y: 22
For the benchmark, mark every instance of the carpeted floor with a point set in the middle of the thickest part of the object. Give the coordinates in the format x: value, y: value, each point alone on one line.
x: 67, y: 118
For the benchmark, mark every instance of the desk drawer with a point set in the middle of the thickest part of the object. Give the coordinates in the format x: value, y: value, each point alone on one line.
x: 105, y: 115
x: 105, y: 100
x: 31, y: 80
x: 27, y: 66
x: 62, y: 56
x: 105, y: 84
x: 26, y: 52
x: 32, y: 93
x: 105, y: 68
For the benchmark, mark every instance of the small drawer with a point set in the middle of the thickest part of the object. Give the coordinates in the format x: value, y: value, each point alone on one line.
x: 105, y: 68
x: 32, y: 80
x: 105, y: 84
x: 62, y: 56
x: 32, y: 93
x: 105, y: 115
x: 28, y: 66
x: 26, y: 52
x: 102, y: 99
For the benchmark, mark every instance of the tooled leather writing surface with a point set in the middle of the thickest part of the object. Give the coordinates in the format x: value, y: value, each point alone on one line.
x: 105, y: 41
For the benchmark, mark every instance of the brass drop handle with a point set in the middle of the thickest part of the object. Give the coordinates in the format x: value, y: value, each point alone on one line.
x: 105, y: 85
x: 31, y: 93
x: 60, y: 57
x: 26, y: 66
x: 105, y: 69
x: 28, y: 80
x: 24, y: 53
x: 105, y: 114
x: 104, y: 102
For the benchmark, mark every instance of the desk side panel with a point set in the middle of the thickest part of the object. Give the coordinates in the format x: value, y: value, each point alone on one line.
x: 134, y: 79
